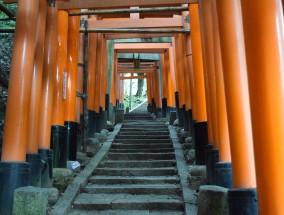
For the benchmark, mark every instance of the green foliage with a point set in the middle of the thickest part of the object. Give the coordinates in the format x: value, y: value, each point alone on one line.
x: 8, y: 24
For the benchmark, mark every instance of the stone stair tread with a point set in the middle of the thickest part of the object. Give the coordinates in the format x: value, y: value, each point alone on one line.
x: 133, y: 186
x: 128, y: 201
x: 145, y: 178
x: 135, y: 189
x: 139, y: 145
x: 123, y: 212
x: 137, y: 169
x: 139, y: 163
x: 158, y: 150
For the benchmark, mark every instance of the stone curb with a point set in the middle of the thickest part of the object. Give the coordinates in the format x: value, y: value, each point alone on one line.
x: 189, y: 195
x: 64, y: 204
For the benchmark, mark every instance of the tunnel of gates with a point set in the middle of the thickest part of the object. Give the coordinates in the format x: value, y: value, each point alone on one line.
x: 222, y: 71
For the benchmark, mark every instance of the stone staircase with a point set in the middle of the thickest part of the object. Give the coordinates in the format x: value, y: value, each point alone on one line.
x: 138, y: 175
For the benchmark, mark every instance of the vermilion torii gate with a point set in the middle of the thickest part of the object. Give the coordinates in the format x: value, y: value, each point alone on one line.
x: 228, y: 71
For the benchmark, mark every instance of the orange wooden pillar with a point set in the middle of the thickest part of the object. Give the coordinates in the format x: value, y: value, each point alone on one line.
x: 60, y: 78
x: 265, y: 69
x: 58, y: 131
x: 211, y: 151
x: 172, y: 77
x: 237, y: 102
x: 14, y: 172
x: 149, y: 91
x: 165, y: 83
x: 71, y: 82
x: 189, y: 112
x: 32, y: 146
x: 91, y: 83
x: 104, y: 84
x: 80, y: 75
x: 200, y: 126
x: 47, y: 93
x: 98, y: 73
x: 222, y: 169
x: 158, y: 96
x: 113, y: 89
x: 209, y: 71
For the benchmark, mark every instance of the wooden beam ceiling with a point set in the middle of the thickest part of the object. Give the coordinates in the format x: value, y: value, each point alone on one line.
x: 175, y: 22
x: 141, y: 47
x: 103, y: 4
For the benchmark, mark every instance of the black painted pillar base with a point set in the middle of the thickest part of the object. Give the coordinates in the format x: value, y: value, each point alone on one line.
x: 207, y: 161
x: 107, y: 103
x: 201, y: 140
x: 81, y: 134
x: 243, y: 201
x: 59, y: 146
x: 159, y: 112
x: 149, y: 108
x: 186, y: 120
x: 180, y: 117
x: 173, y: 117
x: 13, y: 175
x: 164, y: 107
x: 91, y: 123
x: 223, y: 174
x: 103, y: 119
x: 36, y: 167
x: 71, y: 136
x: 46, y: 174
x: 213, y: 159
x: 98, y: 125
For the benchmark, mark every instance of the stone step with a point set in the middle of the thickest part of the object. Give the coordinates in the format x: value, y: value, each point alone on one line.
x: 145, y: 133
x: 135, y: 141
x: 137, y: 164
x: 143, y: 129
x: 123, y: 212
x: 140, y: 156
x: 146, y: 126
x: 141, y: 146
x: 139, y: 136
x: 128, y: 202
x: 165, y: 171
x: 134, y: 180
x: 159, y: 150
x: 134, y: 189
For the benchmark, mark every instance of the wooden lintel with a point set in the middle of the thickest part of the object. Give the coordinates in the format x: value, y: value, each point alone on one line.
x: 141, y: 47
x: 103, y: 4
x: 135, y: 71
x: 137, y: 35
x: 175, y: 22
x: 133, y: 77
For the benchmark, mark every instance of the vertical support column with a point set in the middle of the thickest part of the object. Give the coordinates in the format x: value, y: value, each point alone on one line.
x: 32, y: 157
x: 222, y: 174
x: 47, y: 93
x: 200, y: 127
x: 189, y: 85
x: 173, y: 83
x: 91, y: 90
x: 165, y: 81
x: 180, y: 79
x: 98, y: 81
x: 212, y: 153
x: 80, y: 100
x: 158, y: 97
x: 242, y: 198
x: 104, y: 85
x: 189, y: 110
x: 208, y: 65
x: 58, y: 130
x: 70, y: 102
x: 14, y: 171
x: 149, y: 89
x: 265, y: 69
